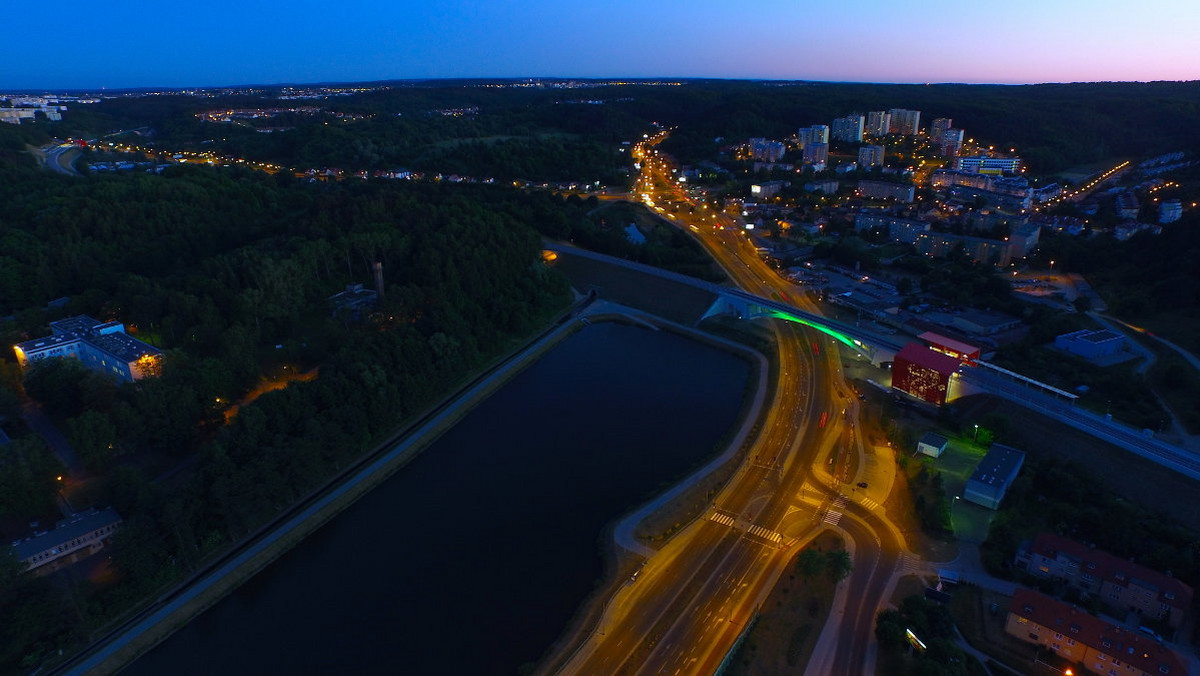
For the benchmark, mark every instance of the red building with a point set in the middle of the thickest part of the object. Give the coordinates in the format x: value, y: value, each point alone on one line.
x: 923, y: 373
x: 950, y: 346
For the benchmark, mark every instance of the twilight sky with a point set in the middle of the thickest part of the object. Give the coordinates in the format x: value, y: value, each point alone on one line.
x: 136, y: 43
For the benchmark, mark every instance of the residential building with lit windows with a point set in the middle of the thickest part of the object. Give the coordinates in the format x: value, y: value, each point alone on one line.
x: 988, y: 165
x: 818, y: 133
x: 884, y: 190
x: 767, y: 150
x: 101, y: 346
x: 849, y: 128
x: 980, y: 249
x: 1122, y: 585
x: 949, y: 142
x: 878, y: 123
x: 816, y: 153
x: 1078, y: 637
x: 870, y: 156
x: 938, y: 127
x: 904, y: 122
x: 898, y: 229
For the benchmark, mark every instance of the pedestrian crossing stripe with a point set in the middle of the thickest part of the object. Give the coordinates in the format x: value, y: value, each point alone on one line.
x: 832, y: 518
x: 723, y: 519
x: 765, y: 534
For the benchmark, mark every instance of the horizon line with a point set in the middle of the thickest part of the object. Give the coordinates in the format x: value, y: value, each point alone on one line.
x: 556, y: 78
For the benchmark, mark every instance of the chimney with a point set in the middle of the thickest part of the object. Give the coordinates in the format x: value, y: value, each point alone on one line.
x: 377, y: 268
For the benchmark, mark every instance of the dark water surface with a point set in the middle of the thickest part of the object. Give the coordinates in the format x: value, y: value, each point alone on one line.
x: 473, y: 557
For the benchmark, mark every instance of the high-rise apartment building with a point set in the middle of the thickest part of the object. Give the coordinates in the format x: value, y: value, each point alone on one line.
x: 849, y: 128
x: 870, y: 156
x: 816, y: 153
x: 1170, y: 211
x: 938, y: 127
x: 878, y: 123
x: 950, y: 142
x: 904, y: 122
x: 818, y: 133
x: 766, y: 150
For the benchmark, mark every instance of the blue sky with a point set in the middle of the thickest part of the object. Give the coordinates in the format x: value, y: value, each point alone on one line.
x: 121, y: 43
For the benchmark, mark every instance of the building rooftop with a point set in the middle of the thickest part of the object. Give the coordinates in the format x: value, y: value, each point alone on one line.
x: 109, y: 337
x: 1132, y: 647
x: 80, y: 523
x: 921, y: 355
x: 949, y: 343
x: 987, y: 319
x: 999, y: 466
x: 354, y: 297
x: 1109, y: 567
x: 79, y: 325
x: 121, y: 346
x: 1092, y: 336
x: 933, y: 439
x: 48, y: 341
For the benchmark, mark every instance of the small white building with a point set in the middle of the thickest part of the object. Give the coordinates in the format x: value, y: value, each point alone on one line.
x: 932, y: 444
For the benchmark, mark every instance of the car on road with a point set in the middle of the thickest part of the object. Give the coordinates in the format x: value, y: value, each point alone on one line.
x: 861, y: 484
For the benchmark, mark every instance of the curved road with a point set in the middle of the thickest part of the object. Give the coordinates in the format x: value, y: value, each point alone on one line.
x: 691, y: 600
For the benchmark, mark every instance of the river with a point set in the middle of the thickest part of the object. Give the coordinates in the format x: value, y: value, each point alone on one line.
x: 473, y: 557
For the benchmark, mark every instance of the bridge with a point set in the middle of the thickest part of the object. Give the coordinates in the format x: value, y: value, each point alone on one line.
x: 979, y: 377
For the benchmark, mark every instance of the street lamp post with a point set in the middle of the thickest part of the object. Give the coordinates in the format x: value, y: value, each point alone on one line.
x: 976, y: 437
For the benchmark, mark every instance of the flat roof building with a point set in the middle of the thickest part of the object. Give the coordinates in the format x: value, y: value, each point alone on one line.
x: 993, y: 476
x: 884, y: 190
x: 988, y: 165
x: 923, y: 373
x: 76, y: 536
x: 984, y: 322
x: 1090, y: 344
x: 949, y: 346
x: 101, y: 346
x: 980, y: 249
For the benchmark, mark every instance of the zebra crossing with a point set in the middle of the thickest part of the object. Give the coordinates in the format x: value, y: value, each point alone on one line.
x: 755, y: 530
x: 765, y: 534
x: 868, y: 503
x: 834, y: 514
x: 913, y: 565
x: 723, y: 519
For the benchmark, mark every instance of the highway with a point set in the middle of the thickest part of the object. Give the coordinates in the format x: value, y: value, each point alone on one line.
x: 60, y: 158
x: 683, y: 611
